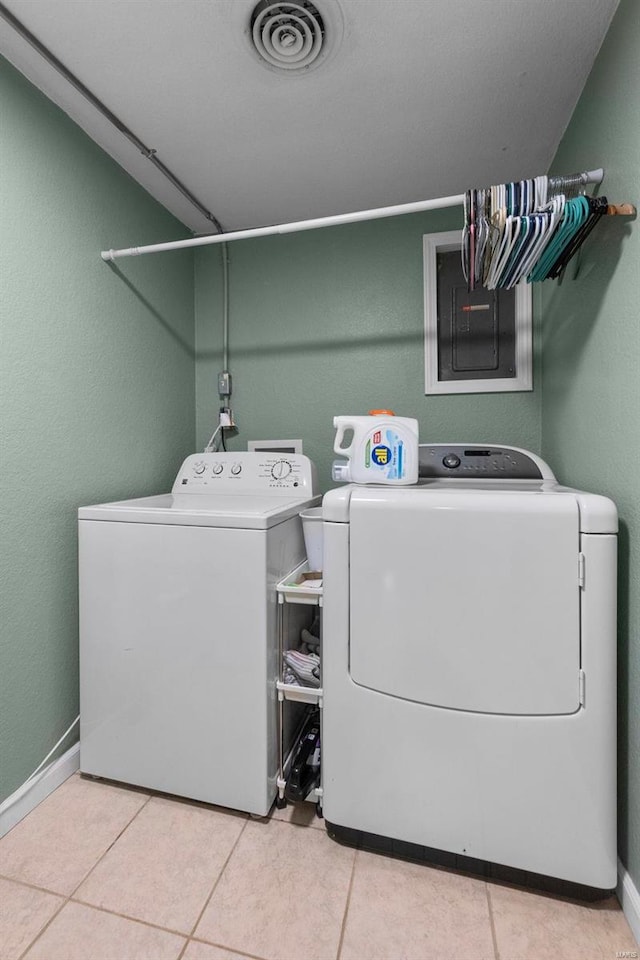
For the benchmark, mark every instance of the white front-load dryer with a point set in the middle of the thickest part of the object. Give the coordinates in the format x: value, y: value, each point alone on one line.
x: 469, y: 664
x: 178, y: 628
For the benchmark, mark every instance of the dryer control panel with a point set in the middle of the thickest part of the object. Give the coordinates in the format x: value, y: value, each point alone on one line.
x: 267, y: 474
x: 466, y: 461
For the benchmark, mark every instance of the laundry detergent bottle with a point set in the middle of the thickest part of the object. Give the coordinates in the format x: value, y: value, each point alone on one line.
x: 384, y: 449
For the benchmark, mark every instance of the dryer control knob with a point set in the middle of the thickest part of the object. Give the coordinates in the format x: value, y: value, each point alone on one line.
x: 236, y: 469
x: 451, y: 461
x: 217, y: 469
x: 199, y: 468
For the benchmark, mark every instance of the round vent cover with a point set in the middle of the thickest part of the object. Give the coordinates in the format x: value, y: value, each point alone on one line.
x: 290, y: 36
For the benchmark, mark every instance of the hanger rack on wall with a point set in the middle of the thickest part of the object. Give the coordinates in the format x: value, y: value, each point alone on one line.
x: 529, y: 229
x: 379, y: 213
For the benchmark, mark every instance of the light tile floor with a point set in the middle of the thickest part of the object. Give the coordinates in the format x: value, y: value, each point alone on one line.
x: 103, y: 872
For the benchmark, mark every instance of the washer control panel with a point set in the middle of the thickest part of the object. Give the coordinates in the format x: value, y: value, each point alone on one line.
x: 247, y: 472
x: 469, y: 462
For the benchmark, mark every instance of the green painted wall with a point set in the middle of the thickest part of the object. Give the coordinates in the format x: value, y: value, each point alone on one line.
x: 331, y: 322
x: 97, y: 391
x: 591, y: 362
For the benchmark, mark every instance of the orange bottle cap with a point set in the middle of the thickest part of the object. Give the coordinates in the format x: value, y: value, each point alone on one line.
x: 381, y: 413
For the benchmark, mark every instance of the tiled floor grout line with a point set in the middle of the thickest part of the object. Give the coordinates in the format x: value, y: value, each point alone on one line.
x: 33, y: 886
x: 220, y: 946
x: 213, y: 890
x: 492, y: 924
x: 103, y: 855
x: 68, y: 897
x: 127, y: 916
x: 45, y: 927
x: 346, y: 906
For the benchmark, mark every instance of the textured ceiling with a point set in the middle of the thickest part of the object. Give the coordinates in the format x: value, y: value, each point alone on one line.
x: 416, y: 99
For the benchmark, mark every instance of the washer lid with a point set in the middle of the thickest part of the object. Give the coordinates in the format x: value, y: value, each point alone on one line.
x: 243, y: 512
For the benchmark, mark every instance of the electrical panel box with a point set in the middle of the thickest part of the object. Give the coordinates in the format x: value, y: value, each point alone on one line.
x: 476, y: 331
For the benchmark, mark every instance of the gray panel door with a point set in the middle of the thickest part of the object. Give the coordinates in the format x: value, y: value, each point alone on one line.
x: 476, y: 331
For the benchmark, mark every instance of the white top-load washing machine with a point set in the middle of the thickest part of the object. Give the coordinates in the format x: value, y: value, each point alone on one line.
x: 178, y: 628
x: 469, y: 663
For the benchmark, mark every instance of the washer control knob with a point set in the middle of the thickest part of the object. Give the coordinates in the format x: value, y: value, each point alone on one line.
x: 451, y: 461
x: 217, y: 469
x: 199, y: 467
x: 280, y: 469
x: 236, y: 469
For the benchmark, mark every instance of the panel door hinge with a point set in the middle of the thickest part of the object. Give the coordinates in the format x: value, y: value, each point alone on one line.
x: 581, y: 566
x: 581, y: 686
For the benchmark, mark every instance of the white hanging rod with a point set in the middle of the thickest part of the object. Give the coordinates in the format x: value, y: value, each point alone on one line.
x: 379, y: 213
x: 295, y: 227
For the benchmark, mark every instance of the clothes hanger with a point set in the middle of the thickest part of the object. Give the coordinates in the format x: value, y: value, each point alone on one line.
x: 522, y: 230
x: 551, y: 217
x: 545, y: 225
x: 497, y: 216
x: 576, y: 212
x: 562, y: 228
x: 531, y: 228
x: 472, y: 242
x: 528, y: 228
x: 514, y: 274
x: 510, y: 238
x: 464, y: 252
x: 481, y: 237
x: 598, y: 207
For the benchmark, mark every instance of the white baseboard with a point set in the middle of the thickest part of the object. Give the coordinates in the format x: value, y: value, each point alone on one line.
x: 629, y: 898
x: 23, y: 800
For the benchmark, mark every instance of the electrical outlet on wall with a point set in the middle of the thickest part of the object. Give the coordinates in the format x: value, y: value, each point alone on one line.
x: 224, y: 383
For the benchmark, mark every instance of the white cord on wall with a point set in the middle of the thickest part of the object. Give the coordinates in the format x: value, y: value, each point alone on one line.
x: 28, y: 783
x: 14, y: 808
x: 52, y: 751
x: 210, y: 446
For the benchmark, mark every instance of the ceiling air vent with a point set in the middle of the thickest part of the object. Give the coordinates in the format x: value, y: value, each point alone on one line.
x: 289, y: 36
